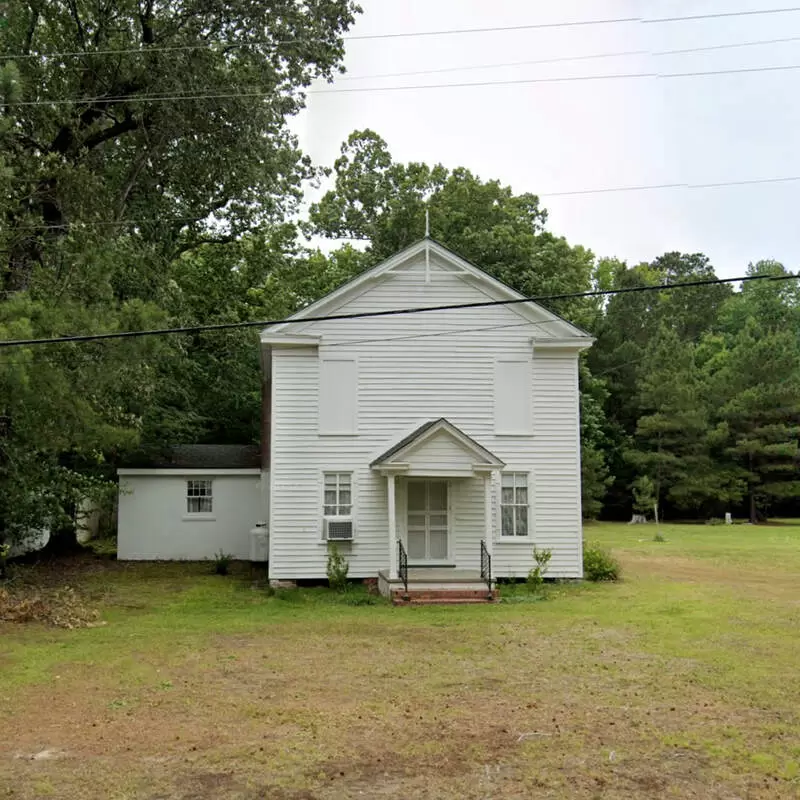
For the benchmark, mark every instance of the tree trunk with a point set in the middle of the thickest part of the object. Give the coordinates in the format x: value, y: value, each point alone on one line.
x: 753, y: 511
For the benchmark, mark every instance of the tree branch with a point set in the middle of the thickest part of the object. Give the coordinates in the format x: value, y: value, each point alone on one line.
x: 31, y: 31
x: 73, y: 8
x: 186, y: 247
x: 126, y: 125
x: 146, y: 20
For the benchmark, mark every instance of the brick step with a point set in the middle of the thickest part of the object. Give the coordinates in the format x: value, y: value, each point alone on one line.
x: 444, y: 592
x: 430, y: 596
x: 440, y: 601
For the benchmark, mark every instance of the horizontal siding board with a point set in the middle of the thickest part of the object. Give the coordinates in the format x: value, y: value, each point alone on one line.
x: 405, y: 379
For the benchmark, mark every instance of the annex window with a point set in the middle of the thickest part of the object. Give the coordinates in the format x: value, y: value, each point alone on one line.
x: 514, y: 503
x: 338, y: 396
x: 338, y: 500
x: 513, y: 399
x: 199, y: 497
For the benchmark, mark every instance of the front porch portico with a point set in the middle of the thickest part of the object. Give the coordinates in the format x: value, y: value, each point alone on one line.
x: 439, y: 505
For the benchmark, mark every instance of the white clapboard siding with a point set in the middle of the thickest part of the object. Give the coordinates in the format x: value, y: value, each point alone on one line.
x: 440, y: 456
x: 153, y: 523
x: 412, y: 369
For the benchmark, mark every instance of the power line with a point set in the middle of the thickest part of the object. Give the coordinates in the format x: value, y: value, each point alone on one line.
x: 562, y: 59
x: 727, y: 46
x: 571, y: 193
x: 689, y: 186
x: 437, y: 334
x: 114, y: 100
x: 721, y: 14
x: 104, y: 223
x: 347, y: 38
x: 400, y: 35
x: 389, y: 313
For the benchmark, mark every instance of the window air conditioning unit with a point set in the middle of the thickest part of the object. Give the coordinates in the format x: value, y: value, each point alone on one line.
x: 338, y: 529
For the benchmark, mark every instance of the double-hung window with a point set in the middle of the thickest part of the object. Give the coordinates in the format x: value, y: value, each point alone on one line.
x: 514, y: 504
x: 338, y: 500
x: 199, y: 497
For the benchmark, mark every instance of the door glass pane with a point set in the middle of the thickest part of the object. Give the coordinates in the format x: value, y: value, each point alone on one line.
x: 438, y: 544
x: 416, y: 496
x: 522, y: 521
x: 416, y: 521
x: 437, y: 496
x: 438, y: 522
x: 416, y: 545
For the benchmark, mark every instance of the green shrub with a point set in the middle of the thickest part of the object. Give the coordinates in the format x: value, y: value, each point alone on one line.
x: 599, y: 564
x: 337, y: 568
x: 536, y: 575
x: 221, y: 562
x: 659, y: 537
x: 106, y: 547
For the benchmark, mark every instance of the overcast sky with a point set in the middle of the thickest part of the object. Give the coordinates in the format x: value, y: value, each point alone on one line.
x: 573, y: 136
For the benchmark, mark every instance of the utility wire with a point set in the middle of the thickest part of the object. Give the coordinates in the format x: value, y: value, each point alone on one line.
x: 389, y: 313
x: 437, y: 334
x: 721, y: 14
x: 691, y: 186
x: 562, y: 59
x: 572, y: 193
x: 346, y: 37
x: 113, y: 100
x: 406, y: 34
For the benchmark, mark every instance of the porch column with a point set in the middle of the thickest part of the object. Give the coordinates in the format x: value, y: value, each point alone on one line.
x: 487, y: 493
x: 390, y: 485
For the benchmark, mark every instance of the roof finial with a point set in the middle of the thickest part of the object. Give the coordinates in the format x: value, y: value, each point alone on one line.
x: 427, y: 223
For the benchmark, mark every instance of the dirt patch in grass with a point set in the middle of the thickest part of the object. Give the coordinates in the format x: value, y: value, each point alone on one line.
x: 61, y: 608
x: 349, y: 710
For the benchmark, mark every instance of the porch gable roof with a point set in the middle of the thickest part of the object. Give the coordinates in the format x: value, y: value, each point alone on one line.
x: 476, y: 454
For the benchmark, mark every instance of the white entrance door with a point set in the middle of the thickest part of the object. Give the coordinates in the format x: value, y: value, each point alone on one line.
x: 428, y: 538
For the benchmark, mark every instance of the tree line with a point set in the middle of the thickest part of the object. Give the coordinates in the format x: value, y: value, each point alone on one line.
x: 126, y: 205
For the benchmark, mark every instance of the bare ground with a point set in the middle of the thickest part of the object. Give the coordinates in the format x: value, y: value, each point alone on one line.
x: 398, y: 703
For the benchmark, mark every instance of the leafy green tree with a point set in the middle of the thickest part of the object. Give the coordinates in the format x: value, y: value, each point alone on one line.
x: 383, y: 202
x: 670, y: 444
x: 644, y: 495
x: 595, y: 475
x: 633, y: 356
x: 756, y: 379
x: 129, y: 179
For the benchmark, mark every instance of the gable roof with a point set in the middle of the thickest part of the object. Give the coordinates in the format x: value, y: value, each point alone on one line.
x: 430, y: 429
x: 457, y: 265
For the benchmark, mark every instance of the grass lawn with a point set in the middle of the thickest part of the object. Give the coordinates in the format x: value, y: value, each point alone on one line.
x: 681, y: 681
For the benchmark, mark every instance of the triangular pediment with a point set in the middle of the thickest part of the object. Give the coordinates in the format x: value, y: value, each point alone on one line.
x: 437, y: 448
x: 430, y: 257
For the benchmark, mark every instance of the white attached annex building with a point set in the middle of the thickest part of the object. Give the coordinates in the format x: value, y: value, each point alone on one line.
x: 433, y: 439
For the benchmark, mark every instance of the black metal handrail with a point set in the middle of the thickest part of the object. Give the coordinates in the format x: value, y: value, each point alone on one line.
x: 402, y: 567
x: 486, y: 567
